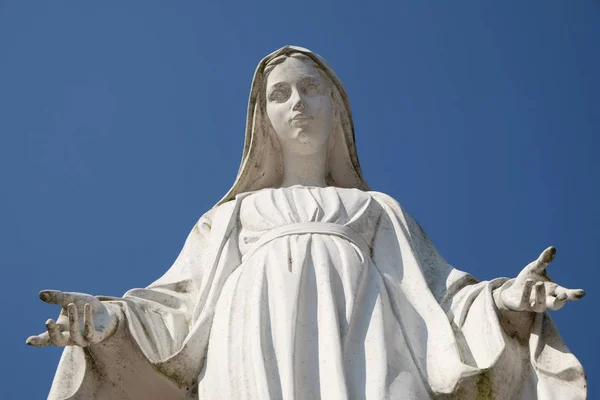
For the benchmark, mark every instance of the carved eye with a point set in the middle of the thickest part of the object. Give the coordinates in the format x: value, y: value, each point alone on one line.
x: 279, y: 95
x: 311, y: 89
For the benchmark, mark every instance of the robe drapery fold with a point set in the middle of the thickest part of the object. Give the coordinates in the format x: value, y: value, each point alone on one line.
x: 445, y: 323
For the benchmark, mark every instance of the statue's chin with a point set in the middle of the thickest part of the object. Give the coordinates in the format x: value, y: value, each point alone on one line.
x: 306, y: 142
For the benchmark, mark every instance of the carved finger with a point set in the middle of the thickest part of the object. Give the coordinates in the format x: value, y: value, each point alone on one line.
x: 539, y: 265
x: 41, y: 340
x: 88, y: 324
x: 56, y: 336
x: 51, y: 296
x: 75, y: 326
x: 538, y: 302
x: 551, y: 288
x: 524, y: 302
x: 574, y: 294
x: 61, y: 298
x: 556, y: 302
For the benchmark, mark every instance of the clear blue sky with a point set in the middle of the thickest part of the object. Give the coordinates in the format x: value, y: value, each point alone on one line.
x: 121, y: 122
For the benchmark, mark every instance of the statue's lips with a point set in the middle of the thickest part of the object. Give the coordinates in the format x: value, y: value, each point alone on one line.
x: 301, y: 118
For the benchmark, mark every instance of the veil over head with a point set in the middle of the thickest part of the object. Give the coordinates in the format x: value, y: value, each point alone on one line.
x: 261, y: 165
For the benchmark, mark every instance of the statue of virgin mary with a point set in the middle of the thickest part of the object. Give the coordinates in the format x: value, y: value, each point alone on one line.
x: 301, y: 283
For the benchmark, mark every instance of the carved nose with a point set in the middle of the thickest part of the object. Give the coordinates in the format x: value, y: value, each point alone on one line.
x: 299, y: 106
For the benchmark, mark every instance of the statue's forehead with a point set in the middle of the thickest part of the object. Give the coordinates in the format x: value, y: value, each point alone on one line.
x: 293, y: 69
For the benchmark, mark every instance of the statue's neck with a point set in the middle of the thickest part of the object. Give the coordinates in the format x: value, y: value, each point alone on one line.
x: 304, y: 169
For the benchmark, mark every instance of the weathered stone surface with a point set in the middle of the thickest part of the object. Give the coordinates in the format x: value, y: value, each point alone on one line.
x: 303, y: 284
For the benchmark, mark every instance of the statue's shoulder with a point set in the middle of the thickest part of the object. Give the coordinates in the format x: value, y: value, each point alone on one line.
x: 395, y: 210
x: 387, y: 200
x: 219, y: 211
x: 223, y: 213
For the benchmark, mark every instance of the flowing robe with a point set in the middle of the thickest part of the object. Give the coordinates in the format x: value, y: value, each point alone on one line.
x: 374, y: 314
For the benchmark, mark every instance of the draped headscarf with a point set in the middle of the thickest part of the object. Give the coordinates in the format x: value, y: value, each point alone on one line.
x: 261, y: 165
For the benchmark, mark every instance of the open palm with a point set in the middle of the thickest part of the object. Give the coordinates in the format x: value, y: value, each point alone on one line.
x: 84, y: 320
x: 533, y: 290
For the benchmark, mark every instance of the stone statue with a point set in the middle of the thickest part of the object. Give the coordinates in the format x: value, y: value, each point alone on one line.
x: 301, y: 283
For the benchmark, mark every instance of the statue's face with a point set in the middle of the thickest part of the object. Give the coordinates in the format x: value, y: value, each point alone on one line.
x: 299, y: 107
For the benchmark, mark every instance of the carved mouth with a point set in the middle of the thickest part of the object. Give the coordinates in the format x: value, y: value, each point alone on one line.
x: 302, y: 117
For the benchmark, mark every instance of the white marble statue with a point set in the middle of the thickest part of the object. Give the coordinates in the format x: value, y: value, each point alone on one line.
x: 303, y: 284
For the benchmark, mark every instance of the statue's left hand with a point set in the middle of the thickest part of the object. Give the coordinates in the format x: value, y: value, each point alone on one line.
x: 533, y: 290
x: 84, y: 320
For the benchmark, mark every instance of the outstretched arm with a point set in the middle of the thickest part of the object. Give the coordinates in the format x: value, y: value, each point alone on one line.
x: 113, y: 345
x: 478, y: 356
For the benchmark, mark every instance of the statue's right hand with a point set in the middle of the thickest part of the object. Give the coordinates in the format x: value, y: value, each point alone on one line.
x: 84, y: 320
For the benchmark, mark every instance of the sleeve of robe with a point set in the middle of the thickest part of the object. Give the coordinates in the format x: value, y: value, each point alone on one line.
x: 155, y: 322
x: 452, y: 325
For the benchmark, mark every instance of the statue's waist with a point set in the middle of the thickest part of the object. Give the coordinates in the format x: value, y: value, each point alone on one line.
x: 302, y: 228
